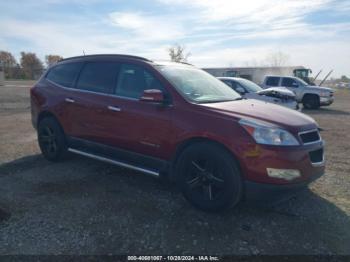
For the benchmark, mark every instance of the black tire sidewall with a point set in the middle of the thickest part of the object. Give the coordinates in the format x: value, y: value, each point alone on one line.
x: 311, y: 102
x: 233, y: 180
x: 60, y: 139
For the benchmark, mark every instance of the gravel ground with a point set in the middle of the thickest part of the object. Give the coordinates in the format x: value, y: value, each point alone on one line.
x: 82, y: 206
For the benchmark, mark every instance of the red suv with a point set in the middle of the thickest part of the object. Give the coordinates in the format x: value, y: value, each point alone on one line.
x: 174, y: 120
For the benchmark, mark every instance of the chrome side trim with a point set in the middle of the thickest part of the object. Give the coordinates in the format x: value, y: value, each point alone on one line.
x: 114, y: 108
x: 90, y: 92
x: 111, y: 161
x: 310, y: 131
x: 69, y: 100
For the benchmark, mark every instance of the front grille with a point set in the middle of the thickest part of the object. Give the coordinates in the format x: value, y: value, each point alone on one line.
x: 316, y: 156
x: 310, y: 136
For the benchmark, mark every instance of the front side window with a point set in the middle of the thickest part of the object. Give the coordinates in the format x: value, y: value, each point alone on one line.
x: 64, y: 74
x: 227, y: 82
x: 272, y: 81
x: 133, y: 80
x: 234, y: 85
x: 98, y: 77
x: 250, y: 86
x: 289, y: 82
x: 196, y: 85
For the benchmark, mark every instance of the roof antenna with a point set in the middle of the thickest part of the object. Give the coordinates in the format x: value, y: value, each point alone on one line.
x: 84, y: 52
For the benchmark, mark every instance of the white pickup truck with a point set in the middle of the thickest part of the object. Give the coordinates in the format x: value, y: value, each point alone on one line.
x: 312, y: 97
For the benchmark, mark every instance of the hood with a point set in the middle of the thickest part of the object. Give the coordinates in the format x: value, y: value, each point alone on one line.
x: 277, y: 91
x: 268, y: 112
x: 320, y: 88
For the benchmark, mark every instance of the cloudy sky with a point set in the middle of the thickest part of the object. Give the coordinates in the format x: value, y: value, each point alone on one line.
x: 314, y: 33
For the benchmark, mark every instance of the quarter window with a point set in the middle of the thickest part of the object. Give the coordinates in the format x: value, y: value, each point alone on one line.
x: 98, y: 77
x: 133, y: 80
x: 272, y: 81
x: 64, y: 74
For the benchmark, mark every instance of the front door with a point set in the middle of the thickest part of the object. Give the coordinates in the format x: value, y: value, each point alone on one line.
x: 143, y: 127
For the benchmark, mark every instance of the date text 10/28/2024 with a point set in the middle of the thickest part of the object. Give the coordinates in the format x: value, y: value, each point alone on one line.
x: 173, y: 258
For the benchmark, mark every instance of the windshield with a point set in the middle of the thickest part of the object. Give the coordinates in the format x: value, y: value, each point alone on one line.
x: 250, y: 86
x: 196, y: 85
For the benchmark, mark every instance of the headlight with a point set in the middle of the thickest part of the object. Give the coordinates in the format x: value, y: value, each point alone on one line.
x: 324, y: 94
x: 266, y: 134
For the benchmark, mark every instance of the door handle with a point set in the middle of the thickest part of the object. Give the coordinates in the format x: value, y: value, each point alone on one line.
x: 114, y: 108
x: 69, y: 100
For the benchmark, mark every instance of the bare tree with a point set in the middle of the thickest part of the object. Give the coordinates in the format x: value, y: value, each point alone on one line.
x: 277, y: 59
x: 344, y: 78
x: 52, y: 59
x: 178, y: 53
x: 8, y: 63
x: 31, y: 65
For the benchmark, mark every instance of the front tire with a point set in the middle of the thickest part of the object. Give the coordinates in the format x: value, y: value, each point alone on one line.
x: 209, y: 177
x: 51, y: 138
x: 311, y: 102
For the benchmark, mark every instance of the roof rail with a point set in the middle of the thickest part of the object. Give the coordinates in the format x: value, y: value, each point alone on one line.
x: 167, y: 60
x: 102, y: 55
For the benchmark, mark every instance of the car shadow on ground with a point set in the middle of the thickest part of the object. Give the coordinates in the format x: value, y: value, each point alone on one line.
x: 147, y: 215
x: 325, y: 111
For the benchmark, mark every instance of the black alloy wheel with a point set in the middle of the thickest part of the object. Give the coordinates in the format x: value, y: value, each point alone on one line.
x: 209, y: 177
x: 51, y: 139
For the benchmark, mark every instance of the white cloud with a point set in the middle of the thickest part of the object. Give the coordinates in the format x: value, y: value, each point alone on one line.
x: 147, y: 26
x: 217, y: 33
x: 250, y: 10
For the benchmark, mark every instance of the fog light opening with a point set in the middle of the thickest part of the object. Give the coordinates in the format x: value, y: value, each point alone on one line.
x: 286, y: 174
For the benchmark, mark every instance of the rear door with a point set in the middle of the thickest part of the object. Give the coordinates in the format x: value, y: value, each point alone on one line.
x: 89, y: 101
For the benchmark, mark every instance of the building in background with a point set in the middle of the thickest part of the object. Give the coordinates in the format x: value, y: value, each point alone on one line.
x: 255, y: 74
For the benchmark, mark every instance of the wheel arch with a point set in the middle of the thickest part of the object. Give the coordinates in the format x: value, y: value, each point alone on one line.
x: 306, y: 95
x: 48, y: 114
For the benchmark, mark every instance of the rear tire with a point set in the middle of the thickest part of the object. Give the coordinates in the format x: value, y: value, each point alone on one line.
x: 311, y: 102
x: 209, y: 177
x: 51, y: 138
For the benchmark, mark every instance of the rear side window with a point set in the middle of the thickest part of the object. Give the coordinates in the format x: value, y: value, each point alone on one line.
x: 98, y: 77
x: 272, y: 81
x: 64, y: 74
x: 134, y: 79
x: 289, y: 82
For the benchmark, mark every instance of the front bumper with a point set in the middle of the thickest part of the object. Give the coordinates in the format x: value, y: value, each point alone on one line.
x: 272, y: 194
x: 326, y: 101
x: 257, y: 161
